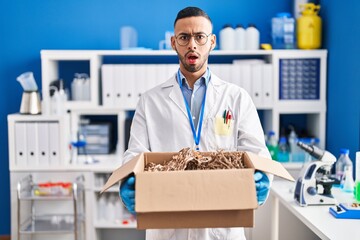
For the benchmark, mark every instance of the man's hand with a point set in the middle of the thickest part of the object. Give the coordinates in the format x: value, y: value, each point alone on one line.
x: 262, y: 185
x: 127, y: 194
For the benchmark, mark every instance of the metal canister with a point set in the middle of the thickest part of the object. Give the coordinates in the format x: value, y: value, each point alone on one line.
x: 309, y: 27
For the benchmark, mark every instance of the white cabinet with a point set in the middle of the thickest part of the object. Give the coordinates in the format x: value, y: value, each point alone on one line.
x: 281, y: 82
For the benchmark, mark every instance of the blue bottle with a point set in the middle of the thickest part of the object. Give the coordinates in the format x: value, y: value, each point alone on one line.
x: 283, y: 153
x: 283, y: 31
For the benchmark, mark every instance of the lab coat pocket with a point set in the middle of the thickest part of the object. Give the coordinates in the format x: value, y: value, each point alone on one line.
x: 221, y: 135
x: 223, y: 127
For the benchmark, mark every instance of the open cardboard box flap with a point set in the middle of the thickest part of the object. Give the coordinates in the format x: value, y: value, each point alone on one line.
x: 137, y: 165
x: 269, y: 166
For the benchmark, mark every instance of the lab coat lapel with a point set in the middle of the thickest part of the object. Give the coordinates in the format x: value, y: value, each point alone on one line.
x: 175, y: 94
x: 212, y: 96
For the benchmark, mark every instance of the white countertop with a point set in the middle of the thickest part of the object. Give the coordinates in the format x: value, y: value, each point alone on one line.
x: 318, y: 218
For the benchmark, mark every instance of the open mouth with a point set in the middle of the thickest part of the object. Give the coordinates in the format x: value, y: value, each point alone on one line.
x: 191, y: 58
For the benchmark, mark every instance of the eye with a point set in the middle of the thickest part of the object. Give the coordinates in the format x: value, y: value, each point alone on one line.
x: 200, y: 36
x: 184, y: 37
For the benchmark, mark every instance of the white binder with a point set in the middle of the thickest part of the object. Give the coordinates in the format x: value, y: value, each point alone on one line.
x: 236, y: 75
x: 20, y: 144
x: 119, y: 88
x: 43, y: 143
x: 246, y: 77
x: 256, y: 81
x: 141, y: 82
x: 267, y: 78
x: 32, y: 143
x: 129, y: 85
x: 107, y: 81
x: 54, y: 144
x: 152, y: 77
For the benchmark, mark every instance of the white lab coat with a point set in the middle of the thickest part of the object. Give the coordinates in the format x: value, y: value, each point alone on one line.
x: 161, y: 124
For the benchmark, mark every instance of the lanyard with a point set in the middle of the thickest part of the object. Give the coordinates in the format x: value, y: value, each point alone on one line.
x: 197, y: 135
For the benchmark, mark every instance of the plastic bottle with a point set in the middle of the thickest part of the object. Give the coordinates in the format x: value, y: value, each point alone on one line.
x: 252, y: 38
x: 283, y: 153
x: 342, y: 162
x: 348, y: 180
x: 357, y: 177
x: 294, y: 149
x: 309, y: 27
x: 240, y: 37
x: 227, y: 38
x: 272, y: 145
x: 283, y: 31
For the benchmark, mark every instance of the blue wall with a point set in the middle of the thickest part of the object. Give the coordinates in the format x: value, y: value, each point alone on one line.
x: 341, y: 38
x: 26, y: 27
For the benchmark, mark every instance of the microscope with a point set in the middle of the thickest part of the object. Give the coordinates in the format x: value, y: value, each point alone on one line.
x: 313, y: 187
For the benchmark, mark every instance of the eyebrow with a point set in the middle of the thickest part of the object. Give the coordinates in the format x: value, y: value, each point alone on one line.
x: 183, y: 33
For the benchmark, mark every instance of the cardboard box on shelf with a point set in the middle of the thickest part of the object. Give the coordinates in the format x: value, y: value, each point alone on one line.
x: 195, y: 198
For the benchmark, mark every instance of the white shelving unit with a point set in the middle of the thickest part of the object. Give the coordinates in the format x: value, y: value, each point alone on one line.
x: 272, y: 110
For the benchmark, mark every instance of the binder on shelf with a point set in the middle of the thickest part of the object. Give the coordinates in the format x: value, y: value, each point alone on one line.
x: 54, y: 144
x: 131, y: 85
x: 107, y: 81
x: 245, y: 77
x: 43, y: 143
x: 142, y: 82
x: 120, y: 91
x: 256, y: 82
x: 236, y: 75
x: 162, y: 74
x: 267, y: 78
x: 152, y: 76
x: 32, y: 143
x: 20, y: 144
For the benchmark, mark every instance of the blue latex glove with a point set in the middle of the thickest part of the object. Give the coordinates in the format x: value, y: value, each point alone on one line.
x: 262, y: 185
x: 127, y: 194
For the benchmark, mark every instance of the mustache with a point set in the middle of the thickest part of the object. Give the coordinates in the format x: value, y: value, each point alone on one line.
x: 192, y: 52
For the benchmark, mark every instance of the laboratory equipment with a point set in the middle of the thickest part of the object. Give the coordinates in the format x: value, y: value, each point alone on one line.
x: 252, y: 38
x: 342, y: 162
x: 309, y: 27
x: 30, y: 101
x: 346, y: 211
x: 128, y: 38
x: 283, y: 151
x: 80, y: 87
x: 313, y: 187
x: 348, y: 181
x: 283, y: 31
x: 239, y: 37
x: 357, y: 177
x: 272, y: 145
x: 227, y: 38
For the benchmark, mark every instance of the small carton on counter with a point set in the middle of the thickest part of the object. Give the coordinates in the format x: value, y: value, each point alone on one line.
x: 195, y: 198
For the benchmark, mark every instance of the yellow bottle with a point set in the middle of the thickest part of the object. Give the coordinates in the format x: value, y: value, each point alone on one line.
x: 309, y: 27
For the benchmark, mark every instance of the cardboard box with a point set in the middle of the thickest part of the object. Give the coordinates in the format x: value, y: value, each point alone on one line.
x: 195, y: 198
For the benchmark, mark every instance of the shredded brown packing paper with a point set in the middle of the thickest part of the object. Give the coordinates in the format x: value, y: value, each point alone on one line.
x: 189, y: 159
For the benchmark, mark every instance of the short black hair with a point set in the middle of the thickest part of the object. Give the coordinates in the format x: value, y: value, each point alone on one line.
x: 191, y: 12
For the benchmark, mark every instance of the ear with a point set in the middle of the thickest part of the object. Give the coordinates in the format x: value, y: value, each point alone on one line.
x: 173, y: 42
x: 213, y: 41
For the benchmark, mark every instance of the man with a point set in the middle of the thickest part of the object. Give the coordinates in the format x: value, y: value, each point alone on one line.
x: 188, y: 111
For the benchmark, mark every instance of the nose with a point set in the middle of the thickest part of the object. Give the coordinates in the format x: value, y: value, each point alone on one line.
x: 192, y: 44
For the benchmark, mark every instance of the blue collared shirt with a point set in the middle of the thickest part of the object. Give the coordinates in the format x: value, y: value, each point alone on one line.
x: 195, y: 96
